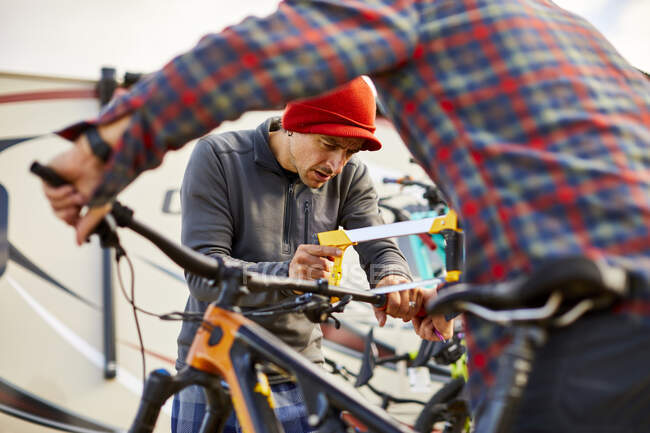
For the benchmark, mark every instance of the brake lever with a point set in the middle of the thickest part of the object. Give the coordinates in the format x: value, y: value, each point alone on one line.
x: 337, y: 323
x: 339, y: 306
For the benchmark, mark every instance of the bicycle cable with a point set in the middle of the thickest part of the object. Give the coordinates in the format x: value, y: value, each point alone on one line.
x: 300, y: 304
x: 173, y: 316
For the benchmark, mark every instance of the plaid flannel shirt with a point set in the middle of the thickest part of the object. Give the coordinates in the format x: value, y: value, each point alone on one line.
x: 530, y: 121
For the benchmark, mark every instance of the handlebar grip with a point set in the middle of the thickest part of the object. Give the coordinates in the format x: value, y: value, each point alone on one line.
x: 47, y: 174
x: 453, y: 249
x: 108, y: 237
x: 156, y: 391
x: 382, y: 304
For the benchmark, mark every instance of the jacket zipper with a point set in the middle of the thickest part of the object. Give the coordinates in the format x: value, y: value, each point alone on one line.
x: 307, y: 212
x: 286, y: 247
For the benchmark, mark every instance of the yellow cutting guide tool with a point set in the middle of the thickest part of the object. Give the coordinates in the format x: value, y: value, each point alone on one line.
x: 446, y: 225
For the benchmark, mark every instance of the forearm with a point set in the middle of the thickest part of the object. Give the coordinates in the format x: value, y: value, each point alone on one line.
x: 243, y: 68
x: 381, y: 259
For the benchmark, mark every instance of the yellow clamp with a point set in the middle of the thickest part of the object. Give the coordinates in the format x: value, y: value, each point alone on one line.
x: 449, y: 222
x: 340, y: 240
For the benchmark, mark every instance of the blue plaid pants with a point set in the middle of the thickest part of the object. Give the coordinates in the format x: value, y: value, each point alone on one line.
x: 189, y: 406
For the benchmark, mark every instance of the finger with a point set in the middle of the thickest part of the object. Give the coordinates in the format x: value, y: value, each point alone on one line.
x: 393, y: 301
x: 69, y: 215
x: 415, y: 304
x: 404, y: 305
x: 316, y: 273
x: 313, y: 261
x: 414, y: 301
x: 417, y: 322
x: 381, y: 317
x: 57, y: 192
x: 307, y: 273
x: 419, y: 301
x: 71, y: 200
x: 89, y: 221
x: 444, y: 327
x: 426, y: 330
x: 322, y: 250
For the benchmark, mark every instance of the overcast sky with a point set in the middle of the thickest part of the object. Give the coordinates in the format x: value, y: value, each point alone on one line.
x: 76, y: 37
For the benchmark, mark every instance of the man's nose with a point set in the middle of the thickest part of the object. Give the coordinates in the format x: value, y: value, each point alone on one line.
x: 337, y: 161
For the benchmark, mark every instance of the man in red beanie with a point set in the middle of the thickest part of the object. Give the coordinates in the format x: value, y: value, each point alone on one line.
x: 260, y: 195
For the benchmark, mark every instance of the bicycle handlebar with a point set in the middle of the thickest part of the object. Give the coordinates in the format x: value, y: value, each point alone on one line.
x: 202, y: 265
x: 407, y: 181
x: 431, y: 192
x: 578, y: 278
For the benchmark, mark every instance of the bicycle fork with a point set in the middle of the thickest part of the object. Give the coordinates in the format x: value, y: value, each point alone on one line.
x: 161, y: 385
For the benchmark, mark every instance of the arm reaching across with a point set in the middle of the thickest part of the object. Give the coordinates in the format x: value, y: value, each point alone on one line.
x: 84, y: 171
x: 248, y: 66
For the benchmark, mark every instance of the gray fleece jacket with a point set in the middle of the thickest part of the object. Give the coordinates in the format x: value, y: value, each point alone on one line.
x: 238, y: 202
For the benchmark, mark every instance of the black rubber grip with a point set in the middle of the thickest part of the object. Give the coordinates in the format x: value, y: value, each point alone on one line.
x: 108, y: 238
x: 381, y: 306
x: 453, y: 249
x: 47, y: 174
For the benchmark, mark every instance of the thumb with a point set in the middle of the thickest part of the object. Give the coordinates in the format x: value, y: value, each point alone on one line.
x: 90, y: 220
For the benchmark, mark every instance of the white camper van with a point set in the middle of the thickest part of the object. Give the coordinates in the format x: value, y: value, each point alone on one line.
x: 70, y: 351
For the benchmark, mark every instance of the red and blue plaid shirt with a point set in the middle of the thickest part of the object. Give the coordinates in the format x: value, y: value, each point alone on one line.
x: 533, y: 124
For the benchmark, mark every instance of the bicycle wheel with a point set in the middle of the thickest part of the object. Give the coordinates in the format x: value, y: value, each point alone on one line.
x: 444, y: 407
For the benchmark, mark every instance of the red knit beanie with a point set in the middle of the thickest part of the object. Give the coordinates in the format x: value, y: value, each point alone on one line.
x: 347, y: 111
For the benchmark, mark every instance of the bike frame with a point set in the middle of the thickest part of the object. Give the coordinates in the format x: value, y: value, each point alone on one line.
x: 231, y: 346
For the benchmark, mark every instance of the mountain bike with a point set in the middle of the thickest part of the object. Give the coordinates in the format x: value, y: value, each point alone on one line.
x: 230, y: 348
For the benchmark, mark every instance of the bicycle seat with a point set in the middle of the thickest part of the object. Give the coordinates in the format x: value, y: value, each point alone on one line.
x: 575, y: 277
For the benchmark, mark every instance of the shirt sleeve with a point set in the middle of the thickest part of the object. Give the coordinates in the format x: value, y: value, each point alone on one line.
x: 207, y: 224
x: 304, y: 48
x: 360, y: 209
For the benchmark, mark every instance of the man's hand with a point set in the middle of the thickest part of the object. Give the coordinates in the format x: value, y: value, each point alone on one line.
x: 79, y: 166
x: 425, y: 327
x: 312, y: 262
x: 404, y: 304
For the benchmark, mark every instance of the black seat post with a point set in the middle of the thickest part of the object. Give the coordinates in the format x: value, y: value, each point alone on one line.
x: 515, y: 366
